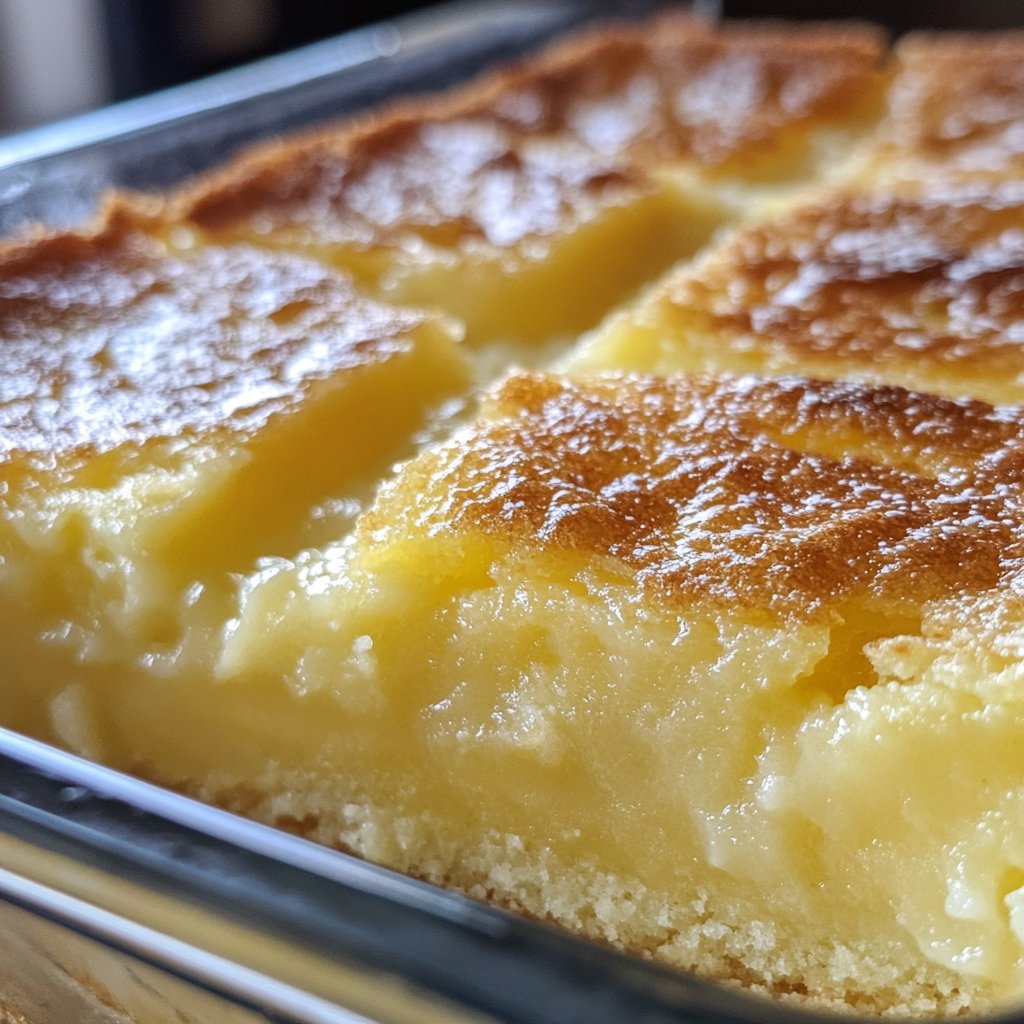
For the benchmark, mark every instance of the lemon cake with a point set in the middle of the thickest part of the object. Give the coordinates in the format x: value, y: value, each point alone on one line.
x: 683, y: 664
x: 701, y: 636
x: 152, y: 406
x: 913, y: 285
x: 533, y: 202
x: 953, y: 110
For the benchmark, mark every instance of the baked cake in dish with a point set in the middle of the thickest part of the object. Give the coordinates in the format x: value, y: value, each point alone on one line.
x: 597, y: 489
x: 530, y: 204
x: 914, y: 285
x: 682, y: 664
x: 152, y: 408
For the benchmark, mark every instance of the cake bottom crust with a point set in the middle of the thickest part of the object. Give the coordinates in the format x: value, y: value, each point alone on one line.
x: 700, y: 931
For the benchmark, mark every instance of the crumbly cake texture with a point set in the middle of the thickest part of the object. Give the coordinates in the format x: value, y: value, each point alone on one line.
x: 704, y: 638
x: 730, y: 619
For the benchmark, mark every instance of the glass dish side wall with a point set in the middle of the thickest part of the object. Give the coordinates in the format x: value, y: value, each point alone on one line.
x: 269, y: 922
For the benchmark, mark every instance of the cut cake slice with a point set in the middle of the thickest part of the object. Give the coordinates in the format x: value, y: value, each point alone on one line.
x: 955, y: 110
x: 168, y: 418
x: 530, y: 203
x: 694, y: 666
x: 917, y: 286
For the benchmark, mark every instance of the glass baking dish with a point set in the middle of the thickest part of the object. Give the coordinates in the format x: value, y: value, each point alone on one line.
x: 121, y: 903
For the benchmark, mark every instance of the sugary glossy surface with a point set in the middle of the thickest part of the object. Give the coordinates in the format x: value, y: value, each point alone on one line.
x: 108, y: 340
x: 785, y: 496
x: 537, y: 150
x: 918, y: 286
x: 955, y: 108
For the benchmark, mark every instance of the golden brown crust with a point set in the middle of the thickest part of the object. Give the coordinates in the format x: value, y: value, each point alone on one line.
x: 907, y: 282
x: 444, y: 181
x: 533, y: 150
x: 108, y: 340
x: 782, y: 496
x: 956, y: 107
x: 680, y: 89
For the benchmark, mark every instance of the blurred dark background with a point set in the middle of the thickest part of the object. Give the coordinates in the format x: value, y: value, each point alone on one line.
x: 60, y: 57
x: 161, y: 43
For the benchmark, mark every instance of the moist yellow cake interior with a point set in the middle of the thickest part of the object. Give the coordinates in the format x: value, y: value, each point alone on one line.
x: 702, y: 638
x: 149, y: 444
x: 497, y: 627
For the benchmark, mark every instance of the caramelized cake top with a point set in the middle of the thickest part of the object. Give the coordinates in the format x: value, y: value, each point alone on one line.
x: 956, y: 107
x: 785, y: 495
x: 920, y: 279
x: 682, y: 89
x: 446, y: 181
x: 109, y: 340
x: 529, y: 152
